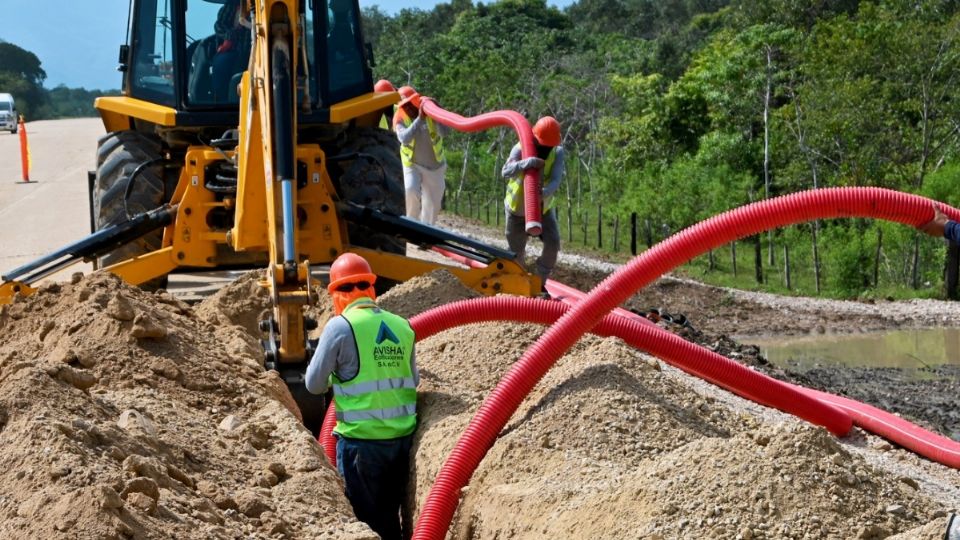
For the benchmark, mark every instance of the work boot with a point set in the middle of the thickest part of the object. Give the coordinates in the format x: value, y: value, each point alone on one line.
x: 544, y: 293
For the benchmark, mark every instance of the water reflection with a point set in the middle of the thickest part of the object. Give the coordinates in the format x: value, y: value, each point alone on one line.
x: 899, y: 348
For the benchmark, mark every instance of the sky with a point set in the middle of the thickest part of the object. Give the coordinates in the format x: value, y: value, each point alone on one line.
x: 78, y: 41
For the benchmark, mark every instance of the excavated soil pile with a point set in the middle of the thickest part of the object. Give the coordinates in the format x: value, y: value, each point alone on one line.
x: 612, y: 445
x: 124, y: 414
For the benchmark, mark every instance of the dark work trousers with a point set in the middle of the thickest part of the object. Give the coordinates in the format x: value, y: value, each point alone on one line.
x: 517, y: 240
x: 375, y: 473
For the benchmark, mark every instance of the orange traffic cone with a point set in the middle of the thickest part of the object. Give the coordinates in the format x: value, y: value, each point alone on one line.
x: 24, y: 151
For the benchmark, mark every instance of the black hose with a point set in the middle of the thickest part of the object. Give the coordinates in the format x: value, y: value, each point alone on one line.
x: 129, y: 187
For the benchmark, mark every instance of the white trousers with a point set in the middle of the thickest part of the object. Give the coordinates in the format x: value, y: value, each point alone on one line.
x: 424, y: 190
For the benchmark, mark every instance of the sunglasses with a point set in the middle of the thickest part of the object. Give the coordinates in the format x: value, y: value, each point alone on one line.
x: 349, y: 287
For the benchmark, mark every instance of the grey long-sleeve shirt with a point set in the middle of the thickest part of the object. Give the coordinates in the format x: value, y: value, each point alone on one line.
x: 418, y: 133
x: 512, y: 168
x: 337, y: 353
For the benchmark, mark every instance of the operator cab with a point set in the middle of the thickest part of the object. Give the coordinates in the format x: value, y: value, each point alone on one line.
x: 190, y: 55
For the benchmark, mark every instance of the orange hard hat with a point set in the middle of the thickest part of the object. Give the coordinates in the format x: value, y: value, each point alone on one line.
x: 413, y: 98
x: 350, y: 268
x: 384, y: 85
x: 406, y: 91
x: 547, y: 131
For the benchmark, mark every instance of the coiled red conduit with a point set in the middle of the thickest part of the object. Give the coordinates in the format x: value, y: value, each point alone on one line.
x: 496, y: 410
x: 531, y: 178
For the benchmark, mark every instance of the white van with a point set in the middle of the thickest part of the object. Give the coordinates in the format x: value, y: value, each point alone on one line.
x: 8, y: 113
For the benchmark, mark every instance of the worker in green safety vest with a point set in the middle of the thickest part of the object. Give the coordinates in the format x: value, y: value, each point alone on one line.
x: 549, y: 163
x: 424, y: 160
x: 367, y: 355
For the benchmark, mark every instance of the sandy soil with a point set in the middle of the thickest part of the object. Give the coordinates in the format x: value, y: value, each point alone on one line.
x: 125, y: 414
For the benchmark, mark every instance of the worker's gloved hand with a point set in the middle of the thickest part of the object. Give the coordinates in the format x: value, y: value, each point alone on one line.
x: 935, y: 226
x: 530, y: 163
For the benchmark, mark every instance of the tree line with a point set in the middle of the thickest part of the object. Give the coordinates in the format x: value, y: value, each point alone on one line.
x: 675, y: 111
x: 22, y: 76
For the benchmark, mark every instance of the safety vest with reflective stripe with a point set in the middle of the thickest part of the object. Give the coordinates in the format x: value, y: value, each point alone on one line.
x: 380, y: 402
x: 514, y: 198
x: 384, y: 123
x: 406, y: 150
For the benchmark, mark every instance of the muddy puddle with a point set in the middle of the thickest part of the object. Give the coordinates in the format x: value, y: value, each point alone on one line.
x: 913, y: 349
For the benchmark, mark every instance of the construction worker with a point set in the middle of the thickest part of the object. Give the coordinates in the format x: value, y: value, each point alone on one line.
x: 384, y: 85
x: 549, y: 162
x: 233, y: 51
x: 424, y: 161
x: 941, y: 225
x: 367, y: 355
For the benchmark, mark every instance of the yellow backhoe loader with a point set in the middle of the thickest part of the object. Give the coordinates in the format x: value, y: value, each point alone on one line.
x: 247, y: 136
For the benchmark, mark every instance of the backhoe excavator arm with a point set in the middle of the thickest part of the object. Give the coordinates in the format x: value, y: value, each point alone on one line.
x: 267, y: 155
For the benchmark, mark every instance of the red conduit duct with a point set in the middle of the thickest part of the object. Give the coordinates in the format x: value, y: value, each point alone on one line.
x: 499, y: 406
x: 641, y: 335
x: 692, y: 359
x: 925, y: 443
x: 326, y: 438
x: 557, y: 290
x: 893, y: 428
x: 531, y: 178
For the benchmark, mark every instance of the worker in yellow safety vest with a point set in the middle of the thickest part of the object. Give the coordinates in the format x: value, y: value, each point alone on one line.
x: 549, y: 162
x: 424, y: 161
x: 367, y: 355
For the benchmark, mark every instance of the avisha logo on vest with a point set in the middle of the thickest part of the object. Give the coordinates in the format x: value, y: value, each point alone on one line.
x: 387, y: 354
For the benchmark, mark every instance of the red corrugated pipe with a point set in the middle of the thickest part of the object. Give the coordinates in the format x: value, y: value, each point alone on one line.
x: 531, y: 178
x: 326, y: 438
x: 895, y: 429
x: 636, y: 332
x: 500, y: 405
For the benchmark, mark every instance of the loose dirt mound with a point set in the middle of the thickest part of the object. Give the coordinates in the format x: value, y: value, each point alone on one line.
x: 122, y: 414
x: 611, y: 445
x: 240, y: 303
x: 425, y: 292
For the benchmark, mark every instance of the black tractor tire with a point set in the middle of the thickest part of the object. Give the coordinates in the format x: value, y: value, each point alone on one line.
x: 14, y: 130
x: 373, y: 179
x: 119, y: 154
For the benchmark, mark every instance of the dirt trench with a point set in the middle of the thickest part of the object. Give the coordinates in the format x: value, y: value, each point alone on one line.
x: 125, y: 414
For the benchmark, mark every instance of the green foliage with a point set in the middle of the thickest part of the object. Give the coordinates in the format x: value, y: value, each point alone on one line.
x: 22, y: 76
x: 679, y: 110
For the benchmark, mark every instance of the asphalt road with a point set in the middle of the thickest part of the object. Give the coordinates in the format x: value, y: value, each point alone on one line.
x: 52, y: 210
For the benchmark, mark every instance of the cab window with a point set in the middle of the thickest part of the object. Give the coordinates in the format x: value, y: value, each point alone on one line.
x: 346, y: 65
x: 217, y: 51
x: 152, y: 71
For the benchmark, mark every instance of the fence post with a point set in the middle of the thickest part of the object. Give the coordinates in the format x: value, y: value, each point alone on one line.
x: 616, y: 233
x: 599, y: 226
x: 786, y: 264
x: 633, y: 233
x: 711, y: 263
x: 876, y: 259
x: 583, y: 225
x: 758, y: 258
x: 569, y: 222
x: 733, y: 256
x: 915, y: 281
